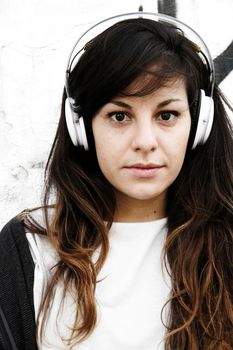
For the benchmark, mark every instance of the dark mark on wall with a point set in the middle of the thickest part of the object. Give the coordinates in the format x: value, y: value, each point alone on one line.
x: 167, y: 7
x: 19, y: 172
x: 37, y: 165
x: 224, y: 63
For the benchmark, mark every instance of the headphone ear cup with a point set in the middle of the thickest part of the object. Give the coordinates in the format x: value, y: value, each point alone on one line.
x: 204, y: 110
x: 75, y: 126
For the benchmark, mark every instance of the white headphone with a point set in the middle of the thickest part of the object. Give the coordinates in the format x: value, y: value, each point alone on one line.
x: 75, y: 125
x: 205, y: 107
x: 205, y: 119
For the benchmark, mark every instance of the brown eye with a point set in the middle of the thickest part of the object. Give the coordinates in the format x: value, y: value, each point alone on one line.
x: 119, y: 117
x: 167, y: 115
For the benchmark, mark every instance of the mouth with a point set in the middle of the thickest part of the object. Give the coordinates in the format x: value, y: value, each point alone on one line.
x: 145, y: 165
x: 144, y: 170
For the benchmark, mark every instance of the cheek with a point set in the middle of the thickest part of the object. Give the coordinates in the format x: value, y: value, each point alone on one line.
x: 107, y: 145
x: 100, y: 151
x: 178, y: 146
x: 105, y: 154
x: 181, y: 146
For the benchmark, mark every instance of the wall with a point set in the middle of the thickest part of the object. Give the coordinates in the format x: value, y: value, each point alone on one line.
x: 35, y: 40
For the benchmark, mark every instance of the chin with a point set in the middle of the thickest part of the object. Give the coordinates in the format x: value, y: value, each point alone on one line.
x: 145, y: 196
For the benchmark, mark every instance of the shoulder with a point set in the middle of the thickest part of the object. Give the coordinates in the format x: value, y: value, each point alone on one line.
x: 40, y: 246
x: 17, y: 239
x: 15, y: 257
x: 12, y: 237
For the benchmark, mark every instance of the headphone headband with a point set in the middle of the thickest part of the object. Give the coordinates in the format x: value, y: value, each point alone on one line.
x: 198, y: 43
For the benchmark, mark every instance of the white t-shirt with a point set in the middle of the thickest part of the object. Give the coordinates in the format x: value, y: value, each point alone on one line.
x: 129, y: 297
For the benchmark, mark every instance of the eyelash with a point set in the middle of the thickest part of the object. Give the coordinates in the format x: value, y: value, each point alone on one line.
x: 171, y: 112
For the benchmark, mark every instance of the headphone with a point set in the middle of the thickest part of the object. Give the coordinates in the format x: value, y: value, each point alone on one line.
x: 203, y: 113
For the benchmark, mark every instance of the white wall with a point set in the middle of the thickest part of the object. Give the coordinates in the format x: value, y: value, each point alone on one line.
x: 35, y: 40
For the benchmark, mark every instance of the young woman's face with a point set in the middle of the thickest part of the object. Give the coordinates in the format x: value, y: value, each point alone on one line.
x: 140, y: 145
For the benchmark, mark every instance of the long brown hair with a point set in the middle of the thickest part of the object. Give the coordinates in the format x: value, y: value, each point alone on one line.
x: 198, y: 249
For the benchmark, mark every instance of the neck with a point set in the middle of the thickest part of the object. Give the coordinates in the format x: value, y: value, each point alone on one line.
x: 134, y: 210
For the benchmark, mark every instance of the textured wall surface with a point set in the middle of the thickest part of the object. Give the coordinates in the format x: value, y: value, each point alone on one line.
x: 36, y: 37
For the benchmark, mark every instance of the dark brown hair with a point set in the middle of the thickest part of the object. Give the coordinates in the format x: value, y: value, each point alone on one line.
x: 198, y: 248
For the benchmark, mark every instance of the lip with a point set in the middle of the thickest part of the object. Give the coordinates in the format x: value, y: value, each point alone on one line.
x: 144, y: 170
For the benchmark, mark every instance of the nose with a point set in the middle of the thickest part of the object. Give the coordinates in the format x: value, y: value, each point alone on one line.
x: 144, y: 138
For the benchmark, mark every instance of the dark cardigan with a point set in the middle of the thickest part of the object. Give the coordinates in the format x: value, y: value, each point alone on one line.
x: 16, y: 289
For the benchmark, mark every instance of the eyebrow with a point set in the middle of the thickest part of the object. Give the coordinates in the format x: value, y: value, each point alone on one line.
x: 161, y: 104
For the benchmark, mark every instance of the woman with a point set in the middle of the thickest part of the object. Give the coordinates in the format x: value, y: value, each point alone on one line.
x: 151, y: 178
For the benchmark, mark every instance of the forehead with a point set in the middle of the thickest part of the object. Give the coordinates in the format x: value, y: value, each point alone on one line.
x: 174, y: 93
x: 150, y: 82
